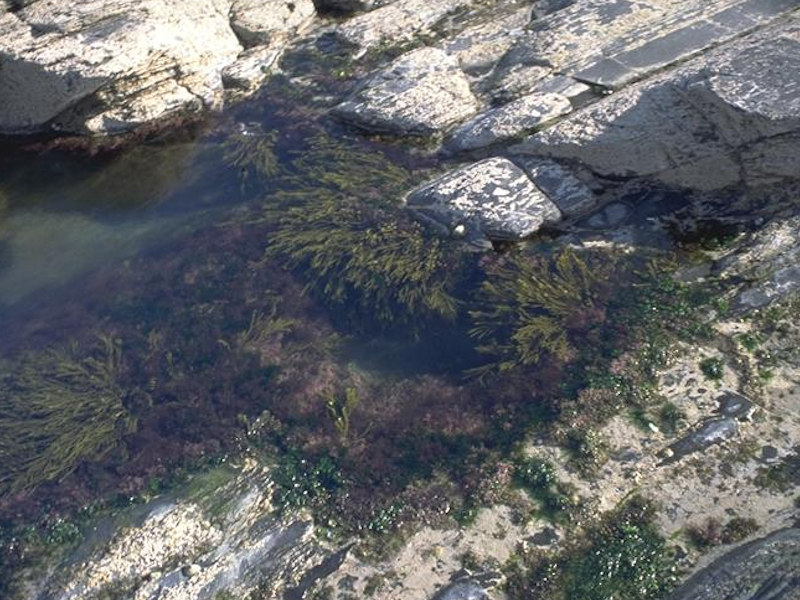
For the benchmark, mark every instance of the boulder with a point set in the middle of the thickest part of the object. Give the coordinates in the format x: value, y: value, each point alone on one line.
x: 714, y: 123
x: 462, y: 590
x: 258, y: 22
x: 349, y: 6
x: 489, y: 200
x: 512, y: 120
x: 422, y: 92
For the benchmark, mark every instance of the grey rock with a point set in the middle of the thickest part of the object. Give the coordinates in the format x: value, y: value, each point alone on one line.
x: 422, y: 92
x: 493, y: 199
x: 692, y: 126
x: 259, y: 22
x: 397, y: 22
x: 765, y: 569
x: 512, y: 120
x: 349, y: 6
x: 546, y: 537
x: 545, y: 7
x: 711, y: 432
x: 570, y: 194
x: 736, y: 406
x: 479, y: 47
x: 462, y: 590
x: 251, y: 68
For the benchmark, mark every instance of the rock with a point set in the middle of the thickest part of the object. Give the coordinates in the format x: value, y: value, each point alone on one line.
x: 570, y: 194
x: 258, y: 22
x: 765, y: 569
x: 348, y: 6
x: 736, y: 406
x: 462, y: 590
x: 109, y: 65
x: 192, y: 570
x: 397, y: 22
x: 479, y: 47
x: 543, y: 8
x: 693, y: 126
x: 420, y: 93
x: 710, y: 433
x: 493, y: 199
x: 546, y: 537
x: 614, y: 42
x: 514, y: 119
x: 252, y: 68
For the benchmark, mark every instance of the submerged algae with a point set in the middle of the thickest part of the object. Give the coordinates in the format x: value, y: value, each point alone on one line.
x: 58, y: 408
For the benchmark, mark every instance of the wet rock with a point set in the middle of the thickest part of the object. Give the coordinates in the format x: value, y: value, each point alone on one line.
x: 736, y: 406
x: 462, y: 590
x: 258, y: 22
x: 572, y: 196
x: 769, y: 453
x: 493, y: 199
x: 421, y: 93
x: 546, y: 537
x: 349, y: 6
x: 710, y: 433
x: 512, y: 120
x: 397, y: 22
x: 692, y: 126
x: 765, y: 569
x: 192, y: 570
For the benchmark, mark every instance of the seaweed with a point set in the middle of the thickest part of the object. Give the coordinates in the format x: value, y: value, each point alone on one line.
x: 536, y: 307
x: 254, y: 153
x: 337, y: 226
x: 58, y: 408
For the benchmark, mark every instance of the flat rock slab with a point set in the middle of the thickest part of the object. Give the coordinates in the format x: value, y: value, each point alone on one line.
x: 710, y: 433
x: 420, y: 93
x: 512, y: 120
x: 462, y: 590
x: 259, y: 22
x: 711, y: 124
x: 397, y: 22
x: 489, y: 200
x: 572, y: 196
x: 765, y: 569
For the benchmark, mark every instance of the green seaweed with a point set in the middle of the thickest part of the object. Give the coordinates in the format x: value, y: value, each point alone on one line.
x: 254, y: 153
x: 338, y: 227
x: 536, y: 306
x: 58, y: 408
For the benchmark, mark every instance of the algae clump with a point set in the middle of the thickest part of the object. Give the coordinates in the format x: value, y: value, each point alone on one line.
x: 334, y: 221
x: 58, y: 408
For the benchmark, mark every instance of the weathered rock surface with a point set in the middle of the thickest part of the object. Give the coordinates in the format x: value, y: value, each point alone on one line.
x: 492, y: 199
x: 765, y: 569
x: 350, y: 5
x: 421, y: 93
x: 258, y: 22
x: 709, y: 125
x: 462, y: 590
x: 512, y: 120
x: 107, y: 66
x: 572, y: 196
x: 397, y: 22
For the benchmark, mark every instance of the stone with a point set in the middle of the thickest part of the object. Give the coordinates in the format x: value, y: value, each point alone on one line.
x: 692, y: 126
x: 108, y: 65
x: 479, y: 47
x: 348, y: 6
x: 422, y: 92
x: 493, y: 199
x: 258, y: 22
x: 512, y: 120
x: 395, y: 23
x: 251, y: 68
x: 570, y: 194
x: 192, y: 570
x: 462, y: 590
x: 764, y: 569
x: 709, y: 433
x: 736, y: 406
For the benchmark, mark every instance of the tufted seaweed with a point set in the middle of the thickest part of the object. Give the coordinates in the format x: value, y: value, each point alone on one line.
x: 57, y: 408
x: 337, y: 226
x: 536, y: 306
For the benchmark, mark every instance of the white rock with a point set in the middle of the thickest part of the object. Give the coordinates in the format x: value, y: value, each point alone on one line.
x: 259, y: 22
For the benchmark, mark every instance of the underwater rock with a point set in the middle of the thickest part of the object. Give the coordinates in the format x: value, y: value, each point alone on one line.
x: 736, y: 406
x: 397, y: 22
x: 708, y: 125
x: 765, y: 569
x: 511, y: 120
x: 489, y: 200
x: 421, y: 93
x: 258, y: 22
x: 462, y: 590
